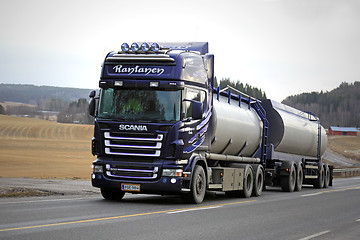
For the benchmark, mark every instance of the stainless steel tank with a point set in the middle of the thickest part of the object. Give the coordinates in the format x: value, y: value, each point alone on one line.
x: 237, y: 129
x: 293, y: 131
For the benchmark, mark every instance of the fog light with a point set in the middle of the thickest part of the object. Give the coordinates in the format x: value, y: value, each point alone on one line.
x: 173, y: 180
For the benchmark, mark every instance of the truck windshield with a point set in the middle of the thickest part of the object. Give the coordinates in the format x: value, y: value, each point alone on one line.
x: 140, y: 105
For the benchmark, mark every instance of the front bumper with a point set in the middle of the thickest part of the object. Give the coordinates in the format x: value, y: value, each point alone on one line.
x: 164, y: 185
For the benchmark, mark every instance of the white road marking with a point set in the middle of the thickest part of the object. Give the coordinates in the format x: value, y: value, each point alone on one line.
x: 315, y: 235
x: 311, y: 194
x: 194, y: 209
x: 46, y: 200
x: 358, y: 220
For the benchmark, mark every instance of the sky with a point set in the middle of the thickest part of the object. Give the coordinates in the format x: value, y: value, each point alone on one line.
x: 284, y: 47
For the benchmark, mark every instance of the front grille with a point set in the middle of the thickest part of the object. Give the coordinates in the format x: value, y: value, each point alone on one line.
x: 131, y: 172
x: 133, y: 144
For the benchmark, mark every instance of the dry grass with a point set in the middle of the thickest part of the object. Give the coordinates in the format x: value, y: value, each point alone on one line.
x: 348, y: 146
x: 23, y: 192
x: 43, y: 149
x: 16, y: 104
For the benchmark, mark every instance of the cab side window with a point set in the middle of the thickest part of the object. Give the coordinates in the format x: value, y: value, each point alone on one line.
x: 196, y: 95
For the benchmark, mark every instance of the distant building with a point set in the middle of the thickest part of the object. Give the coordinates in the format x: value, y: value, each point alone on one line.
x: 350, y: 131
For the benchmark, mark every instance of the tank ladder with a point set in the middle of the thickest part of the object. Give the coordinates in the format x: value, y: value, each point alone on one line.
x: 256, y: 105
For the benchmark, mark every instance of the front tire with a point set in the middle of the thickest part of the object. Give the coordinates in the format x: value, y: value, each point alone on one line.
x: 112, y: 194
x: 197, y: 188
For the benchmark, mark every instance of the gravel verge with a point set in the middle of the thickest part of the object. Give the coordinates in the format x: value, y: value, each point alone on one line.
x: 26, y: 187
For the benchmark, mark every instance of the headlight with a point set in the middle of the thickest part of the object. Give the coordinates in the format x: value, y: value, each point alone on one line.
x: 172, y: 172
x: 97, y: 168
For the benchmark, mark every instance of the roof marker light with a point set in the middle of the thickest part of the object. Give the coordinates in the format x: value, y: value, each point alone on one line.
x: 125, y: 47
x: 145, y: 47
x: 135, y: 47
x: 155, y: 47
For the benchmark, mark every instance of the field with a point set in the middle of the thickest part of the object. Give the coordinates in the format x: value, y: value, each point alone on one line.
x: 42, y: 149
x: 348, y: 146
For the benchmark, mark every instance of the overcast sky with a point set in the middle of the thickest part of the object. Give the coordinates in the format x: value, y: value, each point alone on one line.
x: 284, y: 47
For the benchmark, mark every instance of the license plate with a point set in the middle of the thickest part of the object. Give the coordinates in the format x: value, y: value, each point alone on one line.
x: 130, y: 187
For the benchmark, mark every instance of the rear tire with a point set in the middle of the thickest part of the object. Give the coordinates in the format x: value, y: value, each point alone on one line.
x: 258, y: 181
x: 327, y: 175
x: 248, y: 182
x: 198, y: 187
x: 288, y: 182
x: 299, y: 177
x: 319, y: 182
x: 112, y: 194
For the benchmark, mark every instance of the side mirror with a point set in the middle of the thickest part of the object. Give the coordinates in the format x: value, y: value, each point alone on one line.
x: 92, y: 107
x: 92, y: 94
x: 92, y: 103
x: 196, y: 109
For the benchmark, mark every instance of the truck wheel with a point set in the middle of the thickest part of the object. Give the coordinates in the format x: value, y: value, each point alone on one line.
x: 327, y: 175
x: 258, y: 181
x: 319, y: 182
x: 112, y: 194
x: 198, y: 186
x: 288, y: 182
x: 248, y: 182
x: 299, y: 177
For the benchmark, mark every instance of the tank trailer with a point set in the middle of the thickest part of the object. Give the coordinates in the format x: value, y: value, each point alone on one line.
x: 162, y: 128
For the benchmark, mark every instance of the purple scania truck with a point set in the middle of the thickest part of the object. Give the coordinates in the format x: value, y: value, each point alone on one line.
x: 162, y: 128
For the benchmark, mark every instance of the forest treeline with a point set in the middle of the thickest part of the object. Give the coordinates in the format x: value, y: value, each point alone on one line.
x: 249, y: 90
x: 66, y: 105
x: 339, y: 107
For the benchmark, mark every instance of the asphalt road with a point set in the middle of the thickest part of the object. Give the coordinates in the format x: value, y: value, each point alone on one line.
x: 332, y: 213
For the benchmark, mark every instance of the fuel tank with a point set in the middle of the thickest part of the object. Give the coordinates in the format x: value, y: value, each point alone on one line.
x: 237, y: 129
x: 293, y: 131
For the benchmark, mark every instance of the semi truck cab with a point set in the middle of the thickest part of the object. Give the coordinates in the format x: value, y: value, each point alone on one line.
x: 151, y: 114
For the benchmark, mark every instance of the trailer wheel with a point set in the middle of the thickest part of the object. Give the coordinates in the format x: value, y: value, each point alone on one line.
x: 327, y: 175
x: 197, y: 188
x: 112, y: 194
x: 319, y: 182
x: 288, y: 182
x: 299, y: 177
x: 258, y: 181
